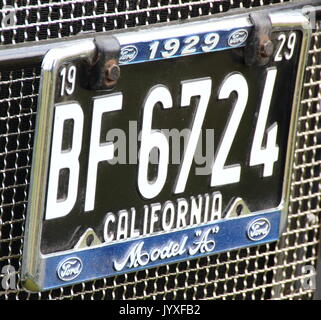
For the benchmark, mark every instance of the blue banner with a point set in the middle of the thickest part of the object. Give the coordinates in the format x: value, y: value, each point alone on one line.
x: 111, y: 259
x: 198, y: 43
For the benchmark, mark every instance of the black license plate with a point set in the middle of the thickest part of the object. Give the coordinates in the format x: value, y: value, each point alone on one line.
x: 186, y: 154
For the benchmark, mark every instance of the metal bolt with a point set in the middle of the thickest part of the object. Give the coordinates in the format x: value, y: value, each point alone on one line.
x: 112, y: 72
x: 89, y: 240
x: 266, y: 49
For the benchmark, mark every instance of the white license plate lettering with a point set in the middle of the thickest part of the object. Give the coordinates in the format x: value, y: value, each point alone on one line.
x: 151, y: 139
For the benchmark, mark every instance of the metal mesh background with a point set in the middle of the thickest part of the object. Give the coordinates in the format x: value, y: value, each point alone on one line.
x: 263, y: 272
x: 44, y: 19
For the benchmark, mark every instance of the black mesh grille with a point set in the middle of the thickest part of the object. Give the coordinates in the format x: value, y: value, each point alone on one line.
x: 44, y: 19
x: 264, y: 272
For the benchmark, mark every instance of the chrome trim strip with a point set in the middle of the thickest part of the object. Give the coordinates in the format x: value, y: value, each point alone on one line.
x: 297, y: 20
x: 51, y: 63
x: 183, y: 30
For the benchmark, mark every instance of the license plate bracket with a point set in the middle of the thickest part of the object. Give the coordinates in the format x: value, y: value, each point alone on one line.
x: 99, y: 234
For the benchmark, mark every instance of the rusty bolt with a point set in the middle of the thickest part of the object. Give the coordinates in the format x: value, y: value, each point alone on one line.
x: 266, y: 49
x: 112, y: 72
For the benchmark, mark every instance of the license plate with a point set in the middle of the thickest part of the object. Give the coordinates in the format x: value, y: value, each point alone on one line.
x: 187, y: 154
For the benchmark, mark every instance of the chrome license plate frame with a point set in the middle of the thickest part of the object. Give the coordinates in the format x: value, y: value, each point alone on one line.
x: 46, y: 271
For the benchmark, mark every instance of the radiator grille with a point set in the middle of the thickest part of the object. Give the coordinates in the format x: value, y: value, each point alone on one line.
x: 263, y: 272
x: 44, y: 19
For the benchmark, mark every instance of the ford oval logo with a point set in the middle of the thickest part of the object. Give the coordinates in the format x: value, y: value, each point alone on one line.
x: 128, y: 54
x: 69, y: 269
x: 237, y: 37
x: 258, y: 229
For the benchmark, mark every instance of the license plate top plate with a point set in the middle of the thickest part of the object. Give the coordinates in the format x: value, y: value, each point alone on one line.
x: 187, y: 155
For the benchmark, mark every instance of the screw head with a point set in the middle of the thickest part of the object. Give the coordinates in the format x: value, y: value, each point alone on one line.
x: 266, y: 49
x: 113, y: 72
